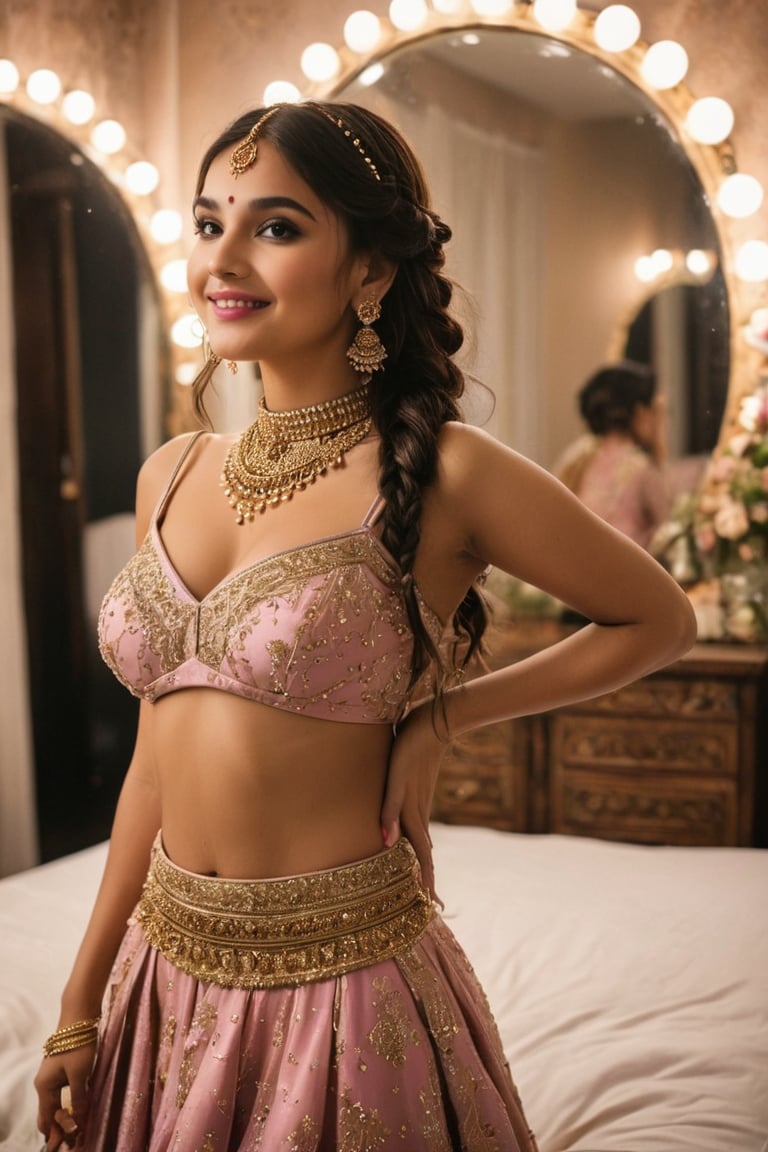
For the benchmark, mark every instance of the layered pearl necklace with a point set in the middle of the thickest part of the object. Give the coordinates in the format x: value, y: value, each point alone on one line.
x: 282, y: 452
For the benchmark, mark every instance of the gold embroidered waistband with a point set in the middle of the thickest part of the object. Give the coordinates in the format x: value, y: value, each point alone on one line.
x: 277, y: 932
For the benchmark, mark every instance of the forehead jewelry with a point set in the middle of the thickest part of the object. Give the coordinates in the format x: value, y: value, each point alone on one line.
x: 247, y: 150
x: 244, y: 155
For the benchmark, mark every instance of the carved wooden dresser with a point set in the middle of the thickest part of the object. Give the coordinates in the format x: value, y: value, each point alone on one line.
x: 679, y: 757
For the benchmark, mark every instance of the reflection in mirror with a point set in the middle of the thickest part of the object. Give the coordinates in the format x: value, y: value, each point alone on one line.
x: 91, y: 377
x: 556, y: 174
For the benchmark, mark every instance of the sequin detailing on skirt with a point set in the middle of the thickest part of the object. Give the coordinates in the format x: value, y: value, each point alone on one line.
x: 400, y: 1055
x: 273, y: 933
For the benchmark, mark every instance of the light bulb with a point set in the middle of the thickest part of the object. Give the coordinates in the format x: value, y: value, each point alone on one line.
x: 9, y: 77
x: 108, y: 136
x: 141, y: 178
x: 662, y: 260
x: 751, y: 261
x: 362, y: 31
x: 740, y: 195
x: 186, y: 332
x: 320, y: 61
x: 281, y: 92
x: 709, y: 120
x: 173, y: 275
x: 616, y: 28
x: 186, y: 372
x: 371, y: 74
x: 166, y: 226
x: 78, y: 106
x: 43, y: 86
x: 644, y: 269
x: 664, y: 64
x: 698, y: 262
x: 554, y: 15
x: 408, y: 14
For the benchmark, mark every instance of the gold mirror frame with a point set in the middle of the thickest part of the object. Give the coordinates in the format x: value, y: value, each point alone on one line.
x: 711, y: 163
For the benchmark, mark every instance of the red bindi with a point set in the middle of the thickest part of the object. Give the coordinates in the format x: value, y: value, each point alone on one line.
x: 230, y: 199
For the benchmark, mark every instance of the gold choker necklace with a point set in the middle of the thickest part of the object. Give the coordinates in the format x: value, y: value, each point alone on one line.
x: 282, y: 452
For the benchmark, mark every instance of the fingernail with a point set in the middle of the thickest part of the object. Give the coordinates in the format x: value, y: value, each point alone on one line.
x: 384, y: 834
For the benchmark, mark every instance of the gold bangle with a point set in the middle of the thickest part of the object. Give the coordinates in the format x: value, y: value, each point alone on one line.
x: 71, y: 1036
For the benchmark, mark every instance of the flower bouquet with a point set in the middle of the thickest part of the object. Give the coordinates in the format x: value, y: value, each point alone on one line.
x: 721, y: 534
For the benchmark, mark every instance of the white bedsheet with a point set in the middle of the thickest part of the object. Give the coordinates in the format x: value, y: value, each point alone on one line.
x: 630, y: 984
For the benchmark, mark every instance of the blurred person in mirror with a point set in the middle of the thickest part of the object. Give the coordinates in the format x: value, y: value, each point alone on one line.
x: 266, y: 964
x: 617, y: 467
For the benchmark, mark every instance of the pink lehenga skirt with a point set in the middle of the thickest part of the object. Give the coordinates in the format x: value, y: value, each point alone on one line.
x: 332, y: 1012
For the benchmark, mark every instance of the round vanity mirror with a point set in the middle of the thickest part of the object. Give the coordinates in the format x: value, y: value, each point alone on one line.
x: 563, y: 183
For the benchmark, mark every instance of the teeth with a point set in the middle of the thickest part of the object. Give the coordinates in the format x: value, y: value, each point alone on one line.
x: 238, y: 304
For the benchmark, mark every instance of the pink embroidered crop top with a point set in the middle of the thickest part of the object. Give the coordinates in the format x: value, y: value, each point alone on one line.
x: 321, y: 629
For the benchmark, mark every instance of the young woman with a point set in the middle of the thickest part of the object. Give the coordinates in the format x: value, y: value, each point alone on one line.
x: 300, y: 603
x: 616, y: 468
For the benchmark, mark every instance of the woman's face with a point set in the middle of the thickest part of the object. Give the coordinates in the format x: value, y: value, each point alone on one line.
x: 271, y: 275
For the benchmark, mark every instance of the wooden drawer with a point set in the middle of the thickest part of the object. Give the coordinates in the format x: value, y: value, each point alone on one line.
x: 626, y: 744
x: 483, y: 779
x: 664, y: 696
x: 672, y: 810
x: 622, y: 778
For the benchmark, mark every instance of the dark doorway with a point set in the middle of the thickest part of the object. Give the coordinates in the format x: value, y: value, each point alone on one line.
x: 78, y: 271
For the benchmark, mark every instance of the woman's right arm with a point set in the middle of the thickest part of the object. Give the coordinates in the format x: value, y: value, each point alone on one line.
x: 136, y: 823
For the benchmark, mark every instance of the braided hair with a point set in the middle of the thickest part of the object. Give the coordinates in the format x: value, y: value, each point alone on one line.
x: 387, y: 212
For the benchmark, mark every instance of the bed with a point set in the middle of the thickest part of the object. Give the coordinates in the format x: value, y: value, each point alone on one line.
x: 630, y: 983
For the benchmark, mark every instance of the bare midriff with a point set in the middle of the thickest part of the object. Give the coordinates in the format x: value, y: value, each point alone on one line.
x: 248, y: 791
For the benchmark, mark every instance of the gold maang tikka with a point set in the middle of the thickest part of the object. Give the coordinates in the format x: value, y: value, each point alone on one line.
x: 283, y: 452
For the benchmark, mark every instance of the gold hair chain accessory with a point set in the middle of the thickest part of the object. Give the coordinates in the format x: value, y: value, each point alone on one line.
x: 366, y: 353
x: 244, y: 155
x: 282, y: 452
x: 72, y: 1036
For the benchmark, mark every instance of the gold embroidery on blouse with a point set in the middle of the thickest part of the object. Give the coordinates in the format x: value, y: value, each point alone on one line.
x: 350, y: 582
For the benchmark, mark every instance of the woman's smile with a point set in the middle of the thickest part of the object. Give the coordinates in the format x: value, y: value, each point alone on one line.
x: 234, y: 305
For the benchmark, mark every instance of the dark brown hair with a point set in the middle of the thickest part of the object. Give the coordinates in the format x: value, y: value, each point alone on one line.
x: 608, y: 400
x: 420, y: 386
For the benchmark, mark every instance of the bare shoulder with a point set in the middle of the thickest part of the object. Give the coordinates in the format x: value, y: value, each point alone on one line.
x: 154, y: 475
x: 468, y: 456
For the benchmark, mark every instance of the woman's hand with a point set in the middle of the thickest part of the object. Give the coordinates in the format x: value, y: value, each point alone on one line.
x: 413, y: 767
x: 62, y: 1125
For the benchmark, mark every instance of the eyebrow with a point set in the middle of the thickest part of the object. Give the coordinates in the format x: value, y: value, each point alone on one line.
x: 263, y: 202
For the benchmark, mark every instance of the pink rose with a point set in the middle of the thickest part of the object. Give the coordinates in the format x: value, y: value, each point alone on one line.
x: 738, y: 445
x: 746, y: 552
x: 759, y: 513
x: 731, y: 520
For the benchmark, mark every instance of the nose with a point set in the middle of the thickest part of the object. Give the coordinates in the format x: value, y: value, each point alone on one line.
x: 226, y: 261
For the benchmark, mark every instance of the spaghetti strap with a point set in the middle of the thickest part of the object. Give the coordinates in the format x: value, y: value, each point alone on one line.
x: 375, y: 510
x: 160, y: 507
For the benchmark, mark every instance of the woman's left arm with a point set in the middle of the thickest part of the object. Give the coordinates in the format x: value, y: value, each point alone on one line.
x: 512, y: 514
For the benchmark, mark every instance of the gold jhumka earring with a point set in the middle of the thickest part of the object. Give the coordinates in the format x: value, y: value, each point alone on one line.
x: 366, y: 353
